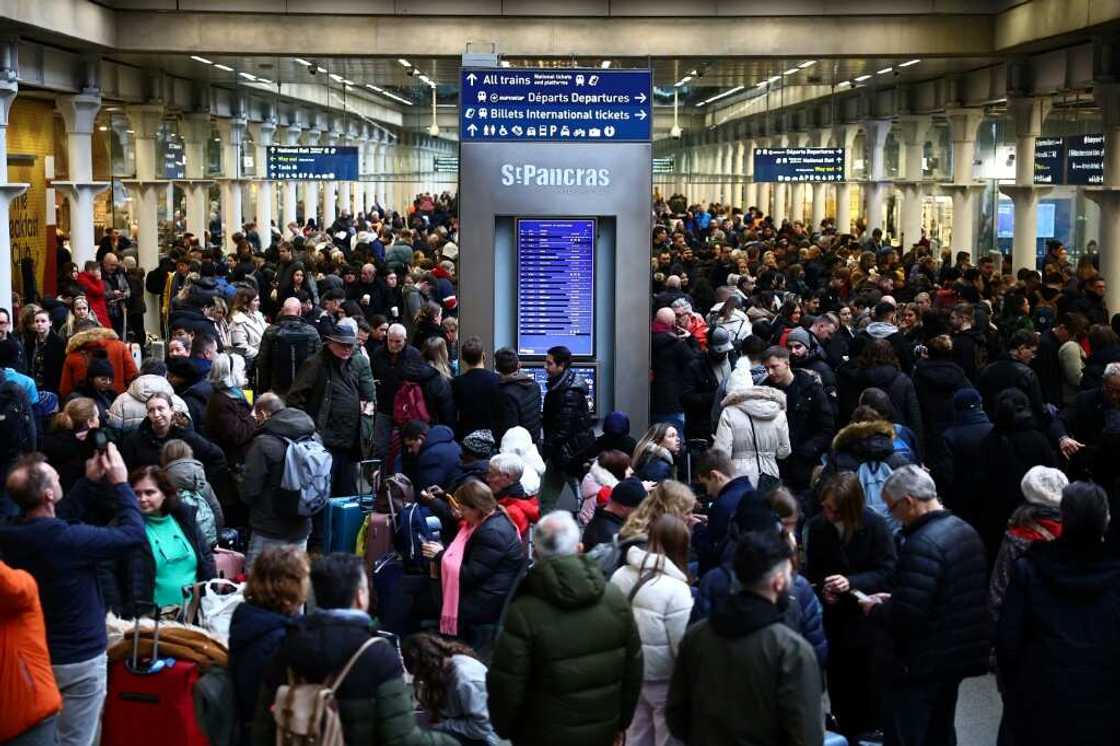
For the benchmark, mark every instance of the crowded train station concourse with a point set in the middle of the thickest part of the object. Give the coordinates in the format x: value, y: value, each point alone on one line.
x: 385, y: 373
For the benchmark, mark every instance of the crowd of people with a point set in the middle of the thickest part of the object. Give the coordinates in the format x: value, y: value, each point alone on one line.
x: 871, y: 473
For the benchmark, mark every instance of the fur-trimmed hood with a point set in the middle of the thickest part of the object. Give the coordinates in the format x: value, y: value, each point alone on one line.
x: 858, y: 434
x: 96, y: 337
x: 764, y: 402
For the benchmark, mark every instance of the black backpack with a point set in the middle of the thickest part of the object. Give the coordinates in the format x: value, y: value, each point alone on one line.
x: 17, y: 423
x: 292, y: 346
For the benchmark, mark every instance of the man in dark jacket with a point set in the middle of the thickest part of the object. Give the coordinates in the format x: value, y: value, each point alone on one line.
x: 705, y: 374
x: 63, y: 557
x: 475, y: 391
x: 775, y: 695
x: 390, y: 364
x: 608, y: 519
x: 882, y: 327
x: 670, y: 357
x: 936, y: 616
x: 429, y: 455
x: 1056, y: 642
x: 1084, y: 422
x: 285, y: 345
x: 956, y: 471
x: 264, y: 468
x: 546, y: 685
x: 374, y: 703
x: 326, y: 387
x: 811, y: 419
x: 567, y: 429
x: 519, y: 397
x: 716, y: 472
x: 1014, y: 371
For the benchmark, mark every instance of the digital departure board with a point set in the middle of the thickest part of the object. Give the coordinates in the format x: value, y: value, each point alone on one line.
x: 1085, y: 159
x: 1049, y: 160
x: 555, y: 285
x: 174, y: 160
x: 313, y: 162
x: 798, y: 164
x: 587, y: 372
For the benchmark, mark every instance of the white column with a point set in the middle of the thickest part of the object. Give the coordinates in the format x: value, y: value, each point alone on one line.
x: 291, y: 137
x: 876, y: 131
x: 330, y: 197
x: 263, y: 133
x: 911, y: 132
x: 1107, y: 196
x: 232, y: 131
x: 8, y: 90
x: 146, y: 194
x: 311, y: 188
x: 781, y: 191
x: 797, y: 189
x: 195, y: 128
x: 1027, y: 114
x: 962, y: 128
x: 79, y: 114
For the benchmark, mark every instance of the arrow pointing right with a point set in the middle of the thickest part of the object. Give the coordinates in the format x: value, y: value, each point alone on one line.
x: 471, y: 78
x: 641, y: 114
x: 641, y: 98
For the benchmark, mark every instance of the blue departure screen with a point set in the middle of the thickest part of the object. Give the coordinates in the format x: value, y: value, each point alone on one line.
x: 798, y: 164
x: 586, y: 372
x: 555, y: 286
x: 313, y: 162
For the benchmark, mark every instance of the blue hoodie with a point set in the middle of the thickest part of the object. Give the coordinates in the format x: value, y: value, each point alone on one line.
x: 438, y: 460
x: 255, y: 635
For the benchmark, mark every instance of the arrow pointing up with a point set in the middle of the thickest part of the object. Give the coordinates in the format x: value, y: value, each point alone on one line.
x: 641, y: 114
x: 472, y: 129
x: 471, y: 78
x: 641, y: 98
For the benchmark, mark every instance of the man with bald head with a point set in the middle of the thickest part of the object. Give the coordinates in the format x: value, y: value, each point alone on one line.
x: 672, y: 292
x: 670, y: 357
x: 390, y: 364
x: 284, y: 347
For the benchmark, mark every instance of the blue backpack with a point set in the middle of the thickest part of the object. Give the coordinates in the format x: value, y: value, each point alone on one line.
x: 872, y: 475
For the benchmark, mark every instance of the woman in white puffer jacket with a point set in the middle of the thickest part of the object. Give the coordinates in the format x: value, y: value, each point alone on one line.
x: 753, y: 427
x: 130, y: 408
x: 518, y: 442
x: 656, y: 585
x: 246, y: 324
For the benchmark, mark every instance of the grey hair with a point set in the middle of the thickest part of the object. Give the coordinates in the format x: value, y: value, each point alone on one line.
x: 556, y: 535
x: 508, y: 464
x: 227, y: 371
x: 1112, y: 370
x: 910, y: 481
x: 397, y: 329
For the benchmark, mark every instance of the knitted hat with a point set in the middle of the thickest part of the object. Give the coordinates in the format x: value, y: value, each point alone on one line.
x: 616, y: 423
x: 801, y: 336
x: 1043, y: 485
x: 480, y: 444
x: 966, y: 399
x: 99, y: 366
x: 629, y: 492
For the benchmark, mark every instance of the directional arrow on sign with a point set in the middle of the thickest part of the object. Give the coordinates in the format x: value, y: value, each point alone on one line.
x: 641, y: 115
x: 641, y: 98
x: 472, y: 129
x: 471, y: 78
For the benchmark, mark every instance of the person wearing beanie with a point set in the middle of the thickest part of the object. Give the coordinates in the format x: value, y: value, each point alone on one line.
x: 474, y: 457
x: 626, y: 496
x: 1037, y: 519
x: 706, y: 373
x: 98, y: 384
x: 804, y: 355
x: 954, y: 467
x: 615, y: 437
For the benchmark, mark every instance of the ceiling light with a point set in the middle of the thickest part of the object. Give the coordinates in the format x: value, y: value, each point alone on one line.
x: 217, y: 139
x: 223, y: 67
x: 861, y: 78
x: 203, y: 60
x: 347, y: 82
x: 790, y: 71
x: 909, y: 63
x: 884, y: 71
x: 112, y: 108
x: 505, y: 63
x: 843, y: 84
x: 131, y: 132
x: 605, y: 64
x: 807, y: 63
x: 248, y: 76
x: 302, y: 61
x: 774, y: 79
x: 718, y: 96
x: 336, y: 77
x: 103, y: 128
x: 763, y: 84
x: 372, y: 87
x: 693, y: 73
x: 404, y: 62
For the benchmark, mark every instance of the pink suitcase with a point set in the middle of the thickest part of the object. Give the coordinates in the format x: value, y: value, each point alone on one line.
x: 230, y: 564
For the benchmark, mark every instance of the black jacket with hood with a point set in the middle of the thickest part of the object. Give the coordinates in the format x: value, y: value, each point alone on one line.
x: 264, y: 468
x: 519, y: 399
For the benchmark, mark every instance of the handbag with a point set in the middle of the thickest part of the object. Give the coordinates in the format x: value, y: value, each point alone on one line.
x: 766, y: 483
x: 210, y: 604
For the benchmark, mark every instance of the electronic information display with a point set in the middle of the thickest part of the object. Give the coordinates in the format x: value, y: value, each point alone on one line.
x: 1085, y: 159
x: 313, y: 162
x: 555, y: 286
x: 1049, y: 160
x: 1045, y: 225
x: 588, y: 373
x: 174, y: 160
x: 798, y: 164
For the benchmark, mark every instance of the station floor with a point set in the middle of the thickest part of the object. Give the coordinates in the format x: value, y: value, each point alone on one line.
x: 978, y: 712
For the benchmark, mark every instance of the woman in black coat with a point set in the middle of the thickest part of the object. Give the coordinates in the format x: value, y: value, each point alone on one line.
x: 1012, y: 447
x: 849, y: 548
x: 492, y: 561
x: 1057, y: 642
x: 877, y: 366
x: 45, y: 352
x: 936, y: 379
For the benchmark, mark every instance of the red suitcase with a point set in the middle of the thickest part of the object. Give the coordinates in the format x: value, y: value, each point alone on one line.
x: 150, y: 697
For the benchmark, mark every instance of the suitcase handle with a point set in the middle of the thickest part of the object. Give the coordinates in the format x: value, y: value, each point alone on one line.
x: 140, y: 606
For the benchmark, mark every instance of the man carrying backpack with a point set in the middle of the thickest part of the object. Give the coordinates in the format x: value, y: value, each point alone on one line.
x: 338, y: 641
x: 390, y: 364
x: 271, y: 523
x: 284, y: 348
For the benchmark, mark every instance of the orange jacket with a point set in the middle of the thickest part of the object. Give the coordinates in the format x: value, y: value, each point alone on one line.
x: 78, y: 351
x: 27, y: 686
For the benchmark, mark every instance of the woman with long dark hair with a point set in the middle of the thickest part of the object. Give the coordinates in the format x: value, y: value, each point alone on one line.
x: 450, y: 684
x: 654, y: 456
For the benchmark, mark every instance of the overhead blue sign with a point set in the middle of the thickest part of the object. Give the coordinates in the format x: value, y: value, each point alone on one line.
x: 565, y: 105
x: 313, y: 162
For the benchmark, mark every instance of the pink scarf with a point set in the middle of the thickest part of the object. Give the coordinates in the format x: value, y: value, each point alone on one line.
x: 449, y: 579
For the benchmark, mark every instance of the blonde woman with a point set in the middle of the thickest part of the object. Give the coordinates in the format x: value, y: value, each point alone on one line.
x: 246, y: 324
